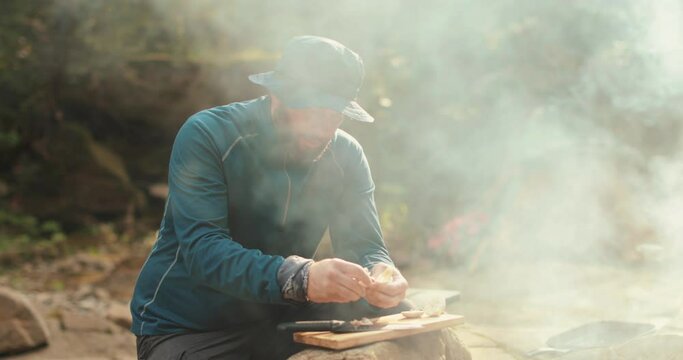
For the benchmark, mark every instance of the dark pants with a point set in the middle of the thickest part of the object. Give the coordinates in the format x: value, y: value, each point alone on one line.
x: 256, y: 341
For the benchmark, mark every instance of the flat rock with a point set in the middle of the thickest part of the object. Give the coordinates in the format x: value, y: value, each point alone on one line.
x: 119, y: 314
x: 443, y: 344
x: 21, y: 327
x: 68, y: 345
x: 653, y: 348
x: 158, y: 190
x: 73, y: 321
x: 80, y: 263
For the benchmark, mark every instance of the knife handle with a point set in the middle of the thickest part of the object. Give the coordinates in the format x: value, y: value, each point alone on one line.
x: 315, y: 325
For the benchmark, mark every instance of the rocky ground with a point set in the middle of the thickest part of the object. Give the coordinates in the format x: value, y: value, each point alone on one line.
x: 510, y: 309
x: 84, y: 301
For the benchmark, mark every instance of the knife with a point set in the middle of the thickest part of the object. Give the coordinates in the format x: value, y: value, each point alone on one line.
x: 338, y: 326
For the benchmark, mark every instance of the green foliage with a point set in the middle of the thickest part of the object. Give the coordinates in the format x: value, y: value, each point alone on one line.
x: 20, y: 231
x: 57, y: 285
x: 9, y: 140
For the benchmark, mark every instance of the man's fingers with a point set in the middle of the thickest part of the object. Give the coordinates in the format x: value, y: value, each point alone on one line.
x: 345, y: 294
x: 395, y: 288
x: 348, y: 282
x: 355, y: 271
x: 342, y: 281
x: 382, y: 300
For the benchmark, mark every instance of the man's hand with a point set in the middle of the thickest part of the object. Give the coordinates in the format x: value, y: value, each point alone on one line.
x: 386, y: 295
x: 336, y: 280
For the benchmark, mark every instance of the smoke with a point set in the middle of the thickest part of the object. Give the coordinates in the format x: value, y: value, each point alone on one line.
x: 573, y: 107
x: 560, y: 122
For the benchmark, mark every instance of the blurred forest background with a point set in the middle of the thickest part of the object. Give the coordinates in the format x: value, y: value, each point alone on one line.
x: 532, y: 127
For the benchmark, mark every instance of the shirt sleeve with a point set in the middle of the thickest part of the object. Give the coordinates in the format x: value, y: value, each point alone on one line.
x: 198, y: 199
x: 293, y: 278
x: 354, y: 229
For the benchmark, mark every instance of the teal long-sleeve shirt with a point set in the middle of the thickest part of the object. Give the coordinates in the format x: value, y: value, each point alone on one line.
x: 236, y: 210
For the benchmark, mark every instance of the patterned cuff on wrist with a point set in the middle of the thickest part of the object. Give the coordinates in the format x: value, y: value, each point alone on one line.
x: 293, y: 278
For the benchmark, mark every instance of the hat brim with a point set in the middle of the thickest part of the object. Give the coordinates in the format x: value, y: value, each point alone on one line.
x: 301, y: 97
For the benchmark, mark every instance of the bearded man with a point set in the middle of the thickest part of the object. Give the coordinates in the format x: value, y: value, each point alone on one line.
x: 253, y: 186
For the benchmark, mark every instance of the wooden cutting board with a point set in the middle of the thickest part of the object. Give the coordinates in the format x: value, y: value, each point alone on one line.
x: 330, y: 340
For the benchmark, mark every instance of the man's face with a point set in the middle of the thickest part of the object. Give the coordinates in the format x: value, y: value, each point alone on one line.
x: 304, y: 133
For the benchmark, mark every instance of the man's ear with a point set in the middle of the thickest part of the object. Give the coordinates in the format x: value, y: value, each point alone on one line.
x: 275, y: 104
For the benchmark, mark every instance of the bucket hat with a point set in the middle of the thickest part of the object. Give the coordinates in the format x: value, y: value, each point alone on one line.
x: 317, y: 72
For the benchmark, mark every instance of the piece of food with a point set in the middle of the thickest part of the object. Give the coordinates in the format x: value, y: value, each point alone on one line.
x: 362, y: 322
x: 385, y: 276
x: 434, y: 309
x: 412, y: 314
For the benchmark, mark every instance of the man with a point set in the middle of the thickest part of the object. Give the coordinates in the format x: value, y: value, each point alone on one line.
x: 252, y: 188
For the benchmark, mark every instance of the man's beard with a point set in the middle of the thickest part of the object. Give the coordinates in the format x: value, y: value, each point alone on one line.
x: 287, y: 142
